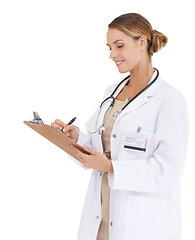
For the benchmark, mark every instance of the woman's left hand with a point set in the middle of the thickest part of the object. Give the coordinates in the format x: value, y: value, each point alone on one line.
x: 95, y: 160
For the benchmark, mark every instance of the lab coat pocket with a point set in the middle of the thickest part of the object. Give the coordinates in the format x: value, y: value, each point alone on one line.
x: 138, y: 144
x: 145, y: 218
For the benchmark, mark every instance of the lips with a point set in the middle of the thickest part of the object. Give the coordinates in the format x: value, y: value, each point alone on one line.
x: 118, y: 63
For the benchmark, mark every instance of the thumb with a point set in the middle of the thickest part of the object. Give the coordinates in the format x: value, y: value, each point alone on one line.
x: 88, y: 149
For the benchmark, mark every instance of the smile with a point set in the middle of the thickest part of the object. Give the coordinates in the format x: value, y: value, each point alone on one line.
x: 119, y: 63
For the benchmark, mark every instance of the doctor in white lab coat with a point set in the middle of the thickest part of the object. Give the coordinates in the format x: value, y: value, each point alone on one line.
x: 148, y: 144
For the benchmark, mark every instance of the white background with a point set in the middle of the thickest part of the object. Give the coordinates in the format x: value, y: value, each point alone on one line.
x: 54, y: 60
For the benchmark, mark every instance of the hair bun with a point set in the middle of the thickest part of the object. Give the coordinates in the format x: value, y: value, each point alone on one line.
x: 159, y: 40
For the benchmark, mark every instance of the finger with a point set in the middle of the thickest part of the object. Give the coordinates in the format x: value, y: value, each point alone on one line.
x: 88, y: 149
x: 59, y: 127
x: 59, y: 122
x: 78, y: 152
x: 68, y: 128
x: 67, y: 134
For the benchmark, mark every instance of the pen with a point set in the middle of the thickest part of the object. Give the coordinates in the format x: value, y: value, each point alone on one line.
x: 71, y: 121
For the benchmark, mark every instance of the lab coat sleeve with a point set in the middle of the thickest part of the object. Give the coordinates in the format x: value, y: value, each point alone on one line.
x: 86, y: 138
x: 162, y: 171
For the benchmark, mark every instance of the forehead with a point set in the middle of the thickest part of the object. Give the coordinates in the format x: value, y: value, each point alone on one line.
x: 114, y: 34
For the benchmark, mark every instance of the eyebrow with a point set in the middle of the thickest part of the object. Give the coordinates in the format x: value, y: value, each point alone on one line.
x: 115, y: 42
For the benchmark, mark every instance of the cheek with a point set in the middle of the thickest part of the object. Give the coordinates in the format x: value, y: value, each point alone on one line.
x: 133, y: 56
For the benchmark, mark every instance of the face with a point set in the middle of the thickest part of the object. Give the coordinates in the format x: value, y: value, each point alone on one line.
x: 124, y: 50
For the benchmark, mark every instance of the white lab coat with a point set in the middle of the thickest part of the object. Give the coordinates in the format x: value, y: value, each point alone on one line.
x: 145, y: 201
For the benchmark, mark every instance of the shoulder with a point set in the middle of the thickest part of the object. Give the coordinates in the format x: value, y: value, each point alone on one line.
x: 109, y: 90
x: 112, y: 88
x: 170, y: 101
x: 171, y: 94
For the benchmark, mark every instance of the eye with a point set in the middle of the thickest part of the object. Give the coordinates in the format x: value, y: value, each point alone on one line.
x: 120, y: 46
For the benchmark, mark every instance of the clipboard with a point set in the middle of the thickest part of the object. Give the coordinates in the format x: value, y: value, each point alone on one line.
x: 56, y: 137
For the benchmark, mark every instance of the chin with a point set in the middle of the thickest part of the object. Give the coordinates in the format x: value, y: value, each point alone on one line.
x: 123, y: 70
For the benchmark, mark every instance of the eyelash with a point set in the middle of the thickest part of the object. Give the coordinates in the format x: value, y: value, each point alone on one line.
x: 120, y: 46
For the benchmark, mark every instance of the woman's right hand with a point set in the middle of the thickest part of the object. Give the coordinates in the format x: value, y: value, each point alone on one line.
x: 69, y: 130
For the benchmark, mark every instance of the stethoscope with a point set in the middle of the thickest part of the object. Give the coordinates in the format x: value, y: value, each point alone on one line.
x: 116, y: 114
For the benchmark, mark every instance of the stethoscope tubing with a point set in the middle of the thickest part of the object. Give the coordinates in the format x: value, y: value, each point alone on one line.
x: 116, y: 88
x: 113, y: 99
x: 143, y: 90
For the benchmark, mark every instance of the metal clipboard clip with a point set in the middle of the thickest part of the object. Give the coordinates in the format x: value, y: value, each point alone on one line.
x: 37, y: 118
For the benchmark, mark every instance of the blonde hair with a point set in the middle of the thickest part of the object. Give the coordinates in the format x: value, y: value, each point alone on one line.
x: 135, y: 25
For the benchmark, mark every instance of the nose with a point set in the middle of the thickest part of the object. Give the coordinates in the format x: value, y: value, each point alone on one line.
x: 113, y: 54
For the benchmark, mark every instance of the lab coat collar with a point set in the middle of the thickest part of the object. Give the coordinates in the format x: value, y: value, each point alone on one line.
x: 142, y: 99
x: 154, y: 89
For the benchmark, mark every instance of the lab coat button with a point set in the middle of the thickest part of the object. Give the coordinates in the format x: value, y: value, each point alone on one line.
x: 114, y: 135
x: 97, y: 217
x: 100, y: 174
x: 111, y: 224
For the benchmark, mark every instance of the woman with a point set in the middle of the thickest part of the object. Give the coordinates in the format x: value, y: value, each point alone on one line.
x: 137, y: 147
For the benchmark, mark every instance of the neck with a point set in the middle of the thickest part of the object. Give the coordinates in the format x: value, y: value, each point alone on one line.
x: 141, y: 75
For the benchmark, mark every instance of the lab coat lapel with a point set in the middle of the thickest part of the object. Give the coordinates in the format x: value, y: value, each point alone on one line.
x: 142, y: 99
x: 138, y: 102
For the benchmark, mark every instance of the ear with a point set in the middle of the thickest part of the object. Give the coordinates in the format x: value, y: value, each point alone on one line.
x: 143, y: 42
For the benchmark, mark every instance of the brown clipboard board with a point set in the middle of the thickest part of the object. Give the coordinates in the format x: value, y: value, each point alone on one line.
x: 56, y: 137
